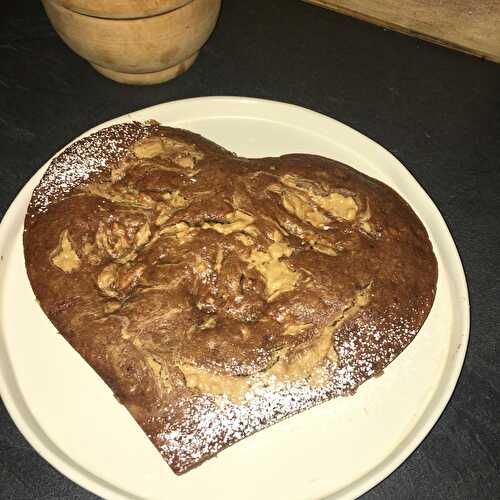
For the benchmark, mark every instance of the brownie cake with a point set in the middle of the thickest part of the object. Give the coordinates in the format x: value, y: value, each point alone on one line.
x: 217, y: 295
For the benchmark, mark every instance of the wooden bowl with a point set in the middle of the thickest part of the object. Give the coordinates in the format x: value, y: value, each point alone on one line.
x: 138, y: 51
x: 121, y: 9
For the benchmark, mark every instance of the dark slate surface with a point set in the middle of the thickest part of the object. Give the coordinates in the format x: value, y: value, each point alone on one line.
x: 438, y: 111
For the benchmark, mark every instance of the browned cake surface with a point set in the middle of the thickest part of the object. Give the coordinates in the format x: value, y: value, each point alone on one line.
x: 217, y: 295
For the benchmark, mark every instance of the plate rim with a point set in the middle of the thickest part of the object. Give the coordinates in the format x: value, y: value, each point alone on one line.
x: 439, y: 398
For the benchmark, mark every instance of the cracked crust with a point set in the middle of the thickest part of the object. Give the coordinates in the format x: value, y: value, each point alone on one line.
x: 217, y: 295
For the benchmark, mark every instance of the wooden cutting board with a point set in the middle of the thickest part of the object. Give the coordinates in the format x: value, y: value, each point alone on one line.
x: 471, y: 26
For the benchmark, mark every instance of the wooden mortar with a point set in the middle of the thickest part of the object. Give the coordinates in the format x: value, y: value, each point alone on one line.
x: 142, y: 50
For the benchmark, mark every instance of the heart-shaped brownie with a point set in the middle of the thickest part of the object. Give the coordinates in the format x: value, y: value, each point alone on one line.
x: 217, y: 295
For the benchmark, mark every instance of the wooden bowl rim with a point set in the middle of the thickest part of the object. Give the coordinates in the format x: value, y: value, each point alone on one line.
x: 149, y: 23
x: 120, y: 9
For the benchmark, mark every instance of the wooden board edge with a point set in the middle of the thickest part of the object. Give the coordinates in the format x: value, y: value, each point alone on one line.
x: 406, y: 31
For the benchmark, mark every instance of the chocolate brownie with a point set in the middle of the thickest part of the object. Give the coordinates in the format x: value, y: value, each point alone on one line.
x: 217, y: 295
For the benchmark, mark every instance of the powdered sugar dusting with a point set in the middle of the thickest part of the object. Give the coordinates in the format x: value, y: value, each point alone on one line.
x: 207, y: 428
x: 84, y: 159
x: 216, y: 427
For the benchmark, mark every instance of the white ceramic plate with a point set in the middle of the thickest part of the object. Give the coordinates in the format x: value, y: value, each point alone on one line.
x: 341, y: 448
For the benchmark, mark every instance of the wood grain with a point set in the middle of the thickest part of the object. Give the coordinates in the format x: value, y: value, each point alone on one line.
x: 471, y: 26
